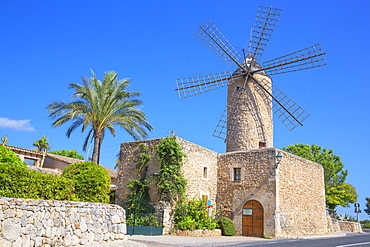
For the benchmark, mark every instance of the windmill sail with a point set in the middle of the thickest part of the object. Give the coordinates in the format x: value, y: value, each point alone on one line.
x: 289, y: 113
x: 307, y: 58
x: 209, y: 35
x: 264, y: 25
x: 190, y: 86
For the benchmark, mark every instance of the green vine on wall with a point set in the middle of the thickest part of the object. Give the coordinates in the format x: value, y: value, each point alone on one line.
x: 170, y: 180
x: 139, y: 210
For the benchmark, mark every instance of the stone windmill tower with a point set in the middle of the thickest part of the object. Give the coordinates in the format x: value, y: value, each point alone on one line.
x: 252, y: 98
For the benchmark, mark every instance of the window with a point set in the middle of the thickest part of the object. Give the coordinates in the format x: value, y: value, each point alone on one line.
x: 237, y: 174
x: 261, y: 145
x: 30, y: 162
x: 205, y: 172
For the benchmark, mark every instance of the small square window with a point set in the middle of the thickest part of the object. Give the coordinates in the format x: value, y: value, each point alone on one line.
x: 237, y: 174
x: 205, y: 172
x: 262, y: 145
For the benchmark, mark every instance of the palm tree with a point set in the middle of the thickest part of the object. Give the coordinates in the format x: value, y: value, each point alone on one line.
x: 4, y: 140
x: 100, y: 106
x: 42, y: 144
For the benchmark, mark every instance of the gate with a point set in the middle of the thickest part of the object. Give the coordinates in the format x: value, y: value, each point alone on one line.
x: 252, y: 221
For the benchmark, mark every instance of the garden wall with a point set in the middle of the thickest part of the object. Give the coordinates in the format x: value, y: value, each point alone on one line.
x: 31, y: 222
x: 348, y: 226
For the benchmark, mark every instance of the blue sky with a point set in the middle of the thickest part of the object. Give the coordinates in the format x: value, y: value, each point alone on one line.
x: 47, y: 44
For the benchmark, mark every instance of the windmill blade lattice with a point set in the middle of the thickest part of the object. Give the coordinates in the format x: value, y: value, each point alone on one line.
x: 283, y: 107
x: 307, y: 58
x: 209, y: 35
x: 264, y: 25
x: 190, y: 86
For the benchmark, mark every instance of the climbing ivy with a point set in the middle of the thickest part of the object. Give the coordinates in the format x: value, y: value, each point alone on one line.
x: 139, y: 212
x: 170, y: 180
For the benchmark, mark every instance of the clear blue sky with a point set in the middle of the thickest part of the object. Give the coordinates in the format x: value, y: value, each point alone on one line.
x: 47, y: 44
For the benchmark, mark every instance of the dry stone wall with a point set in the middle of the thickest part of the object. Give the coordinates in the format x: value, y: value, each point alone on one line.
x: 348, y: 226
x: 33, y: 223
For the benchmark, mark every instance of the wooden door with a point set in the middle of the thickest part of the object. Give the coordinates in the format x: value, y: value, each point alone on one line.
x: 252, y: 222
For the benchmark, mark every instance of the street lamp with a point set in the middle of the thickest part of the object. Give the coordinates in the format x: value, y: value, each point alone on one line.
x: 278, y: 159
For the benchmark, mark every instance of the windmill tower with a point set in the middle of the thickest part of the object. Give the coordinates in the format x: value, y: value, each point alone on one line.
x: 252, y: 98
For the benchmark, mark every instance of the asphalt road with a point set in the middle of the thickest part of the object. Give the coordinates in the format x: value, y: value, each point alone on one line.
x: 350, y: 240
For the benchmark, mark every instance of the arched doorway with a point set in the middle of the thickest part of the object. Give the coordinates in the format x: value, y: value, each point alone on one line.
x: 252, y: 222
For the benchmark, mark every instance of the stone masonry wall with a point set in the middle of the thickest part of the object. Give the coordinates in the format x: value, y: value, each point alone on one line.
x: 198, y: 158
x: 198, y: 161
x: 31, y: 222
x: 348, y: 226
x: 300, y: 197
x: 257, y: 183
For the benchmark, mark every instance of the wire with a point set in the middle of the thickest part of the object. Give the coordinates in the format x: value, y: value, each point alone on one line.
x: 297, y: 30
x: 313, y: 87
x: 198, y: 113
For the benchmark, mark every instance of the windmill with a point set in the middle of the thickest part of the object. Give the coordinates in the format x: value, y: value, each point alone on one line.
x: 251, y: 98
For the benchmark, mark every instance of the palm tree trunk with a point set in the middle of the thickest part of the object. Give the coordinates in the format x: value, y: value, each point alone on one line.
x: 97, y: 145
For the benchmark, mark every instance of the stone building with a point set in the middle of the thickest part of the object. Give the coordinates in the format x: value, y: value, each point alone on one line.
x: 200, y: 169
x: 263, y: 197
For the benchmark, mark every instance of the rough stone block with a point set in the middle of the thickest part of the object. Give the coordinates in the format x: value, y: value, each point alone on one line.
x: 10, y: 230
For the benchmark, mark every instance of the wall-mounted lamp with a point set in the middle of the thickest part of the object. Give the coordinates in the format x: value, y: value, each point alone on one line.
x: 278, y: 159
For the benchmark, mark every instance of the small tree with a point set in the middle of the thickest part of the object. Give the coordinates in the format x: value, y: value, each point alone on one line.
x: 367, y: 205
x: 92, y: 181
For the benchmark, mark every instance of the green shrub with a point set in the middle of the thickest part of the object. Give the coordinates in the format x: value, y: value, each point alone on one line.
x: 8, y: 156
x: 192, y: 215
x: 92, y: 181
x: 227, y: 226
x: 366, y: 225
x: 68, y: 153
x: 16, y: 181
x: 364, y: 221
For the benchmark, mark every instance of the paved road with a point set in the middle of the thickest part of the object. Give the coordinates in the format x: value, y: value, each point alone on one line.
x: 333, y: 240
x: 349, y: 240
